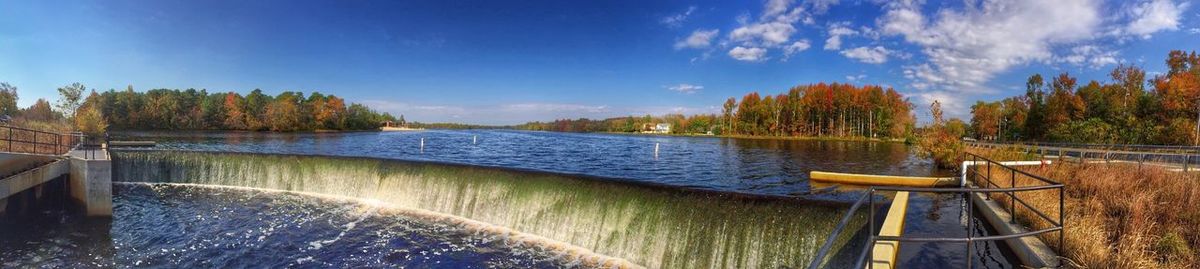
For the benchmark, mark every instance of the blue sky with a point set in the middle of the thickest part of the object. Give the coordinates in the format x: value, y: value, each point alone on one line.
x: 504, y: 62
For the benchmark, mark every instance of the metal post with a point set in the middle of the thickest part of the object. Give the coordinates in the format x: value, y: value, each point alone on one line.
x: 971, y: 224
x: 871, y: 236
x: 1062, y: 211
x: 1186, y: 159
x: 1012, y: 197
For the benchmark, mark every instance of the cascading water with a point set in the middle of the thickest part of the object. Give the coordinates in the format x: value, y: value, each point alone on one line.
x: 658, y: 227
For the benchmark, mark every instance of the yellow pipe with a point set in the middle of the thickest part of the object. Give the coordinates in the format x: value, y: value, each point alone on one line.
x: 878, y: 180
x: 883, y: 254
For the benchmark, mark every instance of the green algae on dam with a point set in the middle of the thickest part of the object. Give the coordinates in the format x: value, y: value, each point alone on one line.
x: 655, y: 226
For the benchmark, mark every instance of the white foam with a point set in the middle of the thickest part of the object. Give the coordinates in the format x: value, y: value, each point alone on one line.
x: 578, y: 256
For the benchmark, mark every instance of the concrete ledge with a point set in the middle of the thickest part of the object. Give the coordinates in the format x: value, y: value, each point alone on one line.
x: 883, y: 254
x: 32, y: 178
x: 878, y: 180
x: 1030, y: 250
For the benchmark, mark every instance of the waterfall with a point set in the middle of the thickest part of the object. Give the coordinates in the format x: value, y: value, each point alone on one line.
x: 654, y: 226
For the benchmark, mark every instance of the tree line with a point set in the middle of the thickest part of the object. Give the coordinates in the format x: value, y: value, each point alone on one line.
x: 680, y: 124
x: 818, y: 110
x: 1126, y: 109
x: 822, y: 110
x: 191, y: 109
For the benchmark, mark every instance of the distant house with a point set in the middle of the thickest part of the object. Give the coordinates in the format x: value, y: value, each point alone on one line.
x: 656, y: 128
x: 662, y: 128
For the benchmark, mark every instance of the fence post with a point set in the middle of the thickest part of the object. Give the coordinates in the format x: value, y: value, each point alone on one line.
x: 971, y: 223
x: 871, y: 235
x: 1012, y: 197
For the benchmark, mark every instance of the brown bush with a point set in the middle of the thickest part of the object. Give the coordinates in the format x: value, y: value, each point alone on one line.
x: 1118, y: 215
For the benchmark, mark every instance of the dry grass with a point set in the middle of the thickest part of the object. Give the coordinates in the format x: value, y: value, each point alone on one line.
x: 13, y: 140
x: 1117, y: 215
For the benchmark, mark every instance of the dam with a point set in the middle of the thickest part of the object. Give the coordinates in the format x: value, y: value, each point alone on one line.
x: 369, y: 199
x: 653, y: 226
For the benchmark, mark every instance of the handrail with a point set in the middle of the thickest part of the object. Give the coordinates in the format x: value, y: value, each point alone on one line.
x: 872, y: 239
x: 24, y: 140
x: 1175, y: 155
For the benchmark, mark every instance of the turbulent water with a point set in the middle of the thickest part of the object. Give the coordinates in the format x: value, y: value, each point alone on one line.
x: 175, y: 226
x: 650, y: 225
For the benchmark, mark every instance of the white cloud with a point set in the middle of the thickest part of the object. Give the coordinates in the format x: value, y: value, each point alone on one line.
x: 773, y: 29
x: 685, y: 88
x: 1194, y: 31
x: 1153, y: 16
x: 836, y: 32
x: 552, y: 107
x: 871, y: 55
x: 678, y: 19
x: 698, y: 39
x: 768, y: 33
x: 820, y: 6
x: 748, y: 54
x: 966, y: 48
x: 1089, y: 55
x: 776, y: 7
x: 795, y: 47
x: 856, y: 78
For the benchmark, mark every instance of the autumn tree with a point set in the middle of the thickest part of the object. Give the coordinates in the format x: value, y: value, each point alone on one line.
x: 70, y: 97
x: 8, y: 100
x: 40, y: 111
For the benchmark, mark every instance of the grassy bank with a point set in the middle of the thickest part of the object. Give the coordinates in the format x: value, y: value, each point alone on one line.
x: 1117, y: 215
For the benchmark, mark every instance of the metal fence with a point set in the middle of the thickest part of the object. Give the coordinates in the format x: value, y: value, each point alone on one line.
x: 1183, y: 158
x: 989, y: 188
x: 22, y: 140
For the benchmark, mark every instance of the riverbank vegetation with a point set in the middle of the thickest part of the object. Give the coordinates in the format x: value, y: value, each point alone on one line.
x: 817, y: 110
x: 1128, y: 109
x: 941, y: 139
x: 1118, y: 215
x: 173, y: 109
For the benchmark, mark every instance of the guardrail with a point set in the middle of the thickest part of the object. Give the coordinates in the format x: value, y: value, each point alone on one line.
x: 1184, y: 157
x: 970, y: 239
x: 22, y: 140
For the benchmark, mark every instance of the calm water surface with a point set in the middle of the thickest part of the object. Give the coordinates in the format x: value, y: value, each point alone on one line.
x: 759, y: 166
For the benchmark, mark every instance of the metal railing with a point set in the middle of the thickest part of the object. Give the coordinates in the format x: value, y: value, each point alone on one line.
x: 22, y: 140
x: 1011, y: 191
x: 1181, y: 157
x: 91, y: 146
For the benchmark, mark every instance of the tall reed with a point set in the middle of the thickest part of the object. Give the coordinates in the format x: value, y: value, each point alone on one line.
x: 1118, y: 215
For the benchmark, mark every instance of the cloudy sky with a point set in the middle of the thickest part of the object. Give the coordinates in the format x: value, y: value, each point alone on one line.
x: 505, y: 62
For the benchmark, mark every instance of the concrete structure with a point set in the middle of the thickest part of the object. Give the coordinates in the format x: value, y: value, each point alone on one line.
x: 91, y: 181
x: 1030, y: 250
x: 89, y: 176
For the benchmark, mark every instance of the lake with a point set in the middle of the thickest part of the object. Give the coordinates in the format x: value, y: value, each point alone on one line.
x: 756, y: 166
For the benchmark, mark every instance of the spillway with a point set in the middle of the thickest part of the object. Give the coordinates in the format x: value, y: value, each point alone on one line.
x: 650, y: 225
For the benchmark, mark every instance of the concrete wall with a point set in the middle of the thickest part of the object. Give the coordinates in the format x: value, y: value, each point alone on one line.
x: 15, y: 162
x: 91, y: 184
x: 12, y: 186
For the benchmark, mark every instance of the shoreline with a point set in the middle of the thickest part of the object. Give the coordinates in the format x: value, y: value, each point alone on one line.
x: 765, y: 137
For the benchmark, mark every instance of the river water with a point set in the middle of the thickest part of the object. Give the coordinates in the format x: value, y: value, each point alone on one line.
x: 482, y: 199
